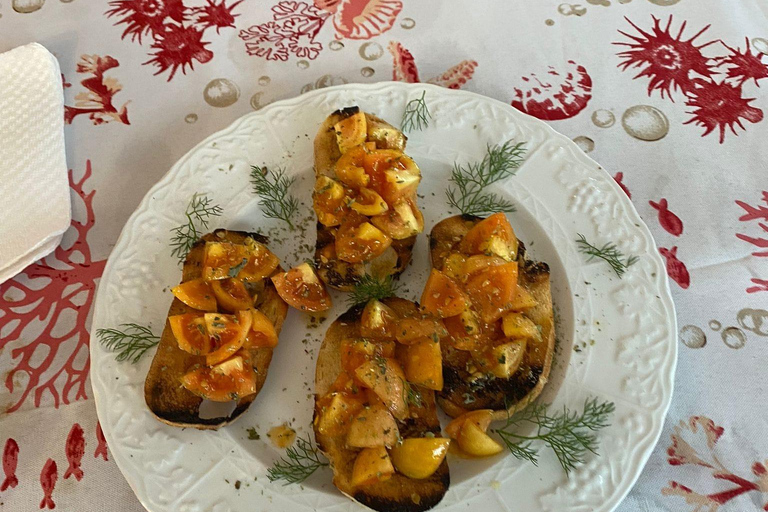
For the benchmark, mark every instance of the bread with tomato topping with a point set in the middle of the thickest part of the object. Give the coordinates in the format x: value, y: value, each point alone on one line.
x: 498, y: 355
x: 213, y: 296
x: 378, y: 429
x: 364, y: 198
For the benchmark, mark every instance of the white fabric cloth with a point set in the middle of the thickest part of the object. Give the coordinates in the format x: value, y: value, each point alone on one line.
x: 35, y: 209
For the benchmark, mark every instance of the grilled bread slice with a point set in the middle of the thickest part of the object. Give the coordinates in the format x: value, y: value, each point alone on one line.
x: 398, y: 493
x: 402, y: 221
x: 463, y: 391
x: 168, y: 400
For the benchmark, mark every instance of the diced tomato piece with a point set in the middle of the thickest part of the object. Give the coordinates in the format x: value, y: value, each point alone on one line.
x: 415, y: 328
x: 423, y: 363
x: 480, y: 262
x: 335, y: 412
x: 465, y: 332
x: 329, y: 201
x: 190, y: 333
x: 493, y: 236
x: 393, y: 175
x: 250, y: 261
x: 228, y: 333
x: 350, y: 168
x: 372, y: 465
x: 351, y: 132
x: 403, y: 220
x: 196, y: 294
x: 442, y: 296
x: 227, y: 381
x: 378, y: 320
x: 231, y: 295
x: 262, y: 333
x: 492, y: 290
x: 357, y: 240
x: 301, y: 288
x: 368, y: 202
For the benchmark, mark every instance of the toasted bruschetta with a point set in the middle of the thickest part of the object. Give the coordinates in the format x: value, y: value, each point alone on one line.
x: 497, y: 307
x: 220, y: 333
x: 364, y: 198
x: 375, y: 414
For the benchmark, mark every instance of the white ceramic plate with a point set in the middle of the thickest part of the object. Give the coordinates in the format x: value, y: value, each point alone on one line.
x: 616, y: 337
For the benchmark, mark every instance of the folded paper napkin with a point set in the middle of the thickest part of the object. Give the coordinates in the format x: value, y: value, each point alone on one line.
x: 34, y: 187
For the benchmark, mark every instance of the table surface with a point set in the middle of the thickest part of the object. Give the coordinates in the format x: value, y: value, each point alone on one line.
x: 665, y: 94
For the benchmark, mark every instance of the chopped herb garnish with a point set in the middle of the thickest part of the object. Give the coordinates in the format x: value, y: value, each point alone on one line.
x: 234, y: 271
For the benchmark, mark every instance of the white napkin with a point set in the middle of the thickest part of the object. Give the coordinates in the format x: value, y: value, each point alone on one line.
x: 34, y: 188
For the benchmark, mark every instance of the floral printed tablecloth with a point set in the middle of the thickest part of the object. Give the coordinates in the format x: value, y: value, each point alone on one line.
x: 666, y: 94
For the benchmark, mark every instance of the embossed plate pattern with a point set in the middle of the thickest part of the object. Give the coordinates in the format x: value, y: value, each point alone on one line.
x: 616, y: 337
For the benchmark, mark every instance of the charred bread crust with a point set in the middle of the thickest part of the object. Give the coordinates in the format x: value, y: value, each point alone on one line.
x: 505, y: 396
x: 166, y: 398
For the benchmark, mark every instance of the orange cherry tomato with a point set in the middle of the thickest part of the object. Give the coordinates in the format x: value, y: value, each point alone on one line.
x: 378, y: 321
x: 492, y: 290
x: 329, y: 201
x: 410, y: 330
x: 224, y: 382
x: 403, y: 220
x: 190, y: 333
x: 196, y: 294
x: 262, y: 333
x: 349, y: 168
x: 442, y: 296
x: 228, y: 333
x: 393, y: 175
x: 231, y: 295
x: 249, y: 261
x: 357, y: 240
x: 301, y: 288
x: 491, y: 236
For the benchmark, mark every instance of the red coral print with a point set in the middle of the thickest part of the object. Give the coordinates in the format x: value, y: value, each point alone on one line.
x: 754, y: 213
x: 743, y: 67
x: 63, y: 284
x: 669, y: 61
x: 295, y: 26
x: 101, y: 449
x: 457, y: 76
x: 404, y: 66
x: 720, y: 106
x: 682, y: 452
x: 177, y: 30
x: 178, y: 47
x: 10, y: 461
x: 97, y: 102
x: 404, y: 69
x: 675, y: 268
x: 48, y: 477
x: 762, y: 286
x: 619, y: 179
x: 558, y: 96
x: 74, y: 449
x: 213, y: 15
x: 146, y: 17
x: 668, y: 220
x: 364, y: 19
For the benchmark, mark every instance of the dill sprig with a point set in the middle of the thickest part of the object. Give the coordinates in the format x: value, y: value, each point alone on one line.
x: 303, y: 460
x: 413, y: 395
x: 370, y: 287
x: 272, y: 186
x: 198, y: 214
x: 469, y: 195
x: 130, y: 343
x: 570, y: 434
x: 416, y: 115
x: 608, y: 252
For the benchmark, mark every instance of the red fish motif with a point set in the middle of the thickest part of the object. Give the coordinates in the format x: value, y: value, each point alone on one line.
x: 619, y: 179
x: 10, y: 460
x: 404, y: 69
x: 676, y: 268
x: 556, y: 96
x: 48, y: 477
x: 668, y: 220
x: 75, y: 448
x: 101, y: 449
